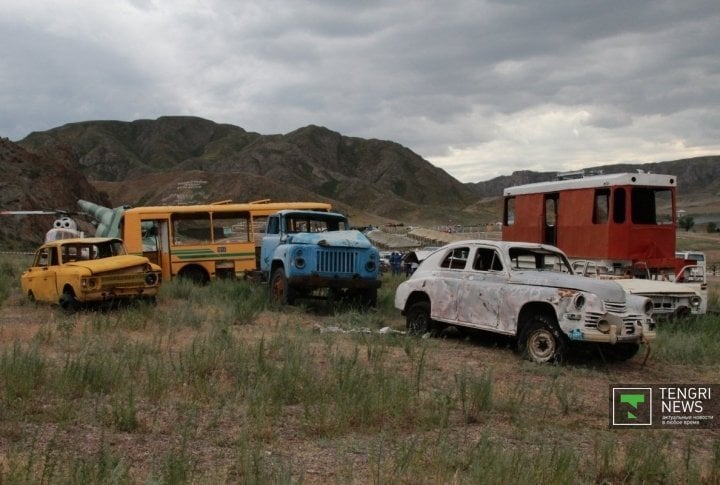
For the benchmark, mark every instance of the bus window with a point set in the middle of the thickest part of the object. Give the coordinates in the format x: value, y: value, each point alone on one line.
x: 231, y: 227
x: 619, y: 206
x: 601, y: 207
x: 259, y: 224
x: 192, y: 228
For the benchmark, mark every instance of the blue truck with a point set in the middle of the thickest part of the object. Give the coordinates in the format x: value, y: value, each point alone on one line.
x: 306, y: 251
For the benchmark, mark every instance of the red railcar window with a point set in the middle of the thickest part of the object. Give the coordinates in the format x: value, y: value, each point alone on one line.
x: 619, y: 206
x: 601, y: 207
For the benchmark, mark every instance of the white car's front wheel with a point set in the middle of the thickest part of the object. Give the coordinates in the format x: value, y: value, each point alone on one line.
x: 541, y: 341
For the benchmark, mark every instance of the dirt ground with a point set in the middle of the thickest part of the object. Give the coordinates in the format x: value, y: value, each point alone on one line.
x: 353, y: 456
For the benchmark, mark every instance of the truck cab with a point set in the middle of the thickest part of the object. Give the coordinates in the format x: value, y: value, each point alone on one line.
x: 305, y: 251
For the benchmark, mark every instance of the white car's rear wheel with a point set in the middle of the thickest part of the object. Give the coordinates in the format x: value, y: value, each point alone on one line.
x: 418, y: 319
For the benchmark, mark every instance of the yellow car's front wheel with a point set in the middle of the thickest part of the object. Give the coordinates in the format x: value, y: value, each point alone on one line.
x: 68, y: 302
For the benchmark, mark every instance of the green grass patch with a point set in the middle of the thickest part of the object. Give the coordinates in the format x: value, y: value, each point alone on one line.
x: 213, y: 386
x: 693, y: 340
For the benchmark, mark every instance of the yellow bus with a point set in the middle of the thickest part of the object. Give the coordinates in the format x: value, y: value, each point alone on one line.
x: 203, y: 242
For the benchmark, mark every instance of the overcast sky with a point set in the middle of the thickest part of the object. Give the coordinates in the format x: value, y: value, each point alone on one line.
x: 479, y: 88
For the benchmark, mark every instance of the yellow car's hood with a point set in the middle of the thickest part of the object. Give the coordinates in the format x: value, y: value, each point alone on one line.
x: 115, y: 263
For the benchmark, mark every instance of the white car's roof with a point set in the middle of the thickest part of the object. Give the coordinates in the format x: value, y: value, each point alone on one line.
x: 503, y: 245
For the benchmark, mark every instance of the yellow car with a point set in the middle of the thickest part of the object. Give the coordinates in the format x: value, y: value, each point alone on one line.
x: 72, y: 272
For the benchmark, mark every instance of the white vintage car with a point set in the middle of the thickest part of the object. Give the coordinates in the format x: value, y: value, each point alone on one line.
x: 525, y: 290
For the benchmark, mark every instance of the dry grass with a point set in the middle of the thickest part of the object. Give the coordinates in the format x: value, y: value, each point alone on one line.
x: 195, y: 390
x: 709, y: 243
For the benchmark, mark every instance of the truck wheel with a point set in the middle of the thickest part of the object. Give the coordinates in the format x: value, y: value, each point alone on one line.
x: 280, y: 291
x: 418, y: 319
x: 540, y: 341
x: 68, y: 302
x: 368, y: 298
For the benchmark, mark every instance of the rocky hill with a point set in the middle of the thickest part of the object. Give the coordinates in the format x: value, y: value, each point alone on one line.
x: 146, y: 161
x: 179, y: 160
x: 36, y: 182
x: 695, y: 175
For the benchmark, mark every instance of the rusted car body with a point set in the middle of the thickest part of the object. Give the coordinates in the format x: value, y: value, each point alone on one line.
x: 305, y: 251
x: 525, y: 290
x: 72, y: 272
x: 670, y: 299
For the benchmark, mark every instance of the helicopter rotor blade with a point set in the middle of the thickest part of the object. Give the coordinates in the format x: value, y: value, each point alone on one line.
x: 29, y: 213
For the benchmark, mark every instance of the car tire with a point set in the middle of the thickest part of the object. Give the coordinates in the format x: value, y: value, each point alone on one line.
x: 68, y: 302
x: 280, y: 291
x: 194, y: 274
x: 369, y: 298
x: 541, y: 341
x: 418, y: 321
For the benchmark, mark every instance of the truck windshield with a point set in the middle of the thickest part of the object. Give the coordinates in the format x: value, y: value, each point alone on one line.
x: 311, y: 224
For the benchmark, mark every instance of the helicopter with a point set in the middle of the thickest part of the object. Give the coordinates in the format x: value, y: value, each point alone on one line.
x: 105, y: 220
x: 64, y: 226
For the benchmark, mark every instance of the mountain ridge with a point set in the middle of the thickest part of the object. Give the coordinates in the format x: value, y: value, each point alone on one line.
x: 182, y: 159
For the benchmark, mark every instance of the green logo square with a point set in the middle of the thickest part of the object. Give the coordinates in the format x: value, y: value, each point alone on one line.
x: 631, y: 406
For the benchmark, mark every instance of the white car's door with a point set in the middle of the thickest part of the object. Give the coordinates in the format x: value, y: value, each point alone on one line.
x: 482, y: 290
x: 446, y: 283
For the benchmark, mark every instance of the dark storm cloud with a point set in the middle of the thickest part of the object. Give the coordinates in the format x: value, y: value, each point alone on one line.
x: 479, y: 88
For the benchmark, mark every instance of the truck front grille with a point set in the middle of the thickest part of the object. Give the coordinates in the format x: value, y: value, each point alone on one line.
x: 336, y: 261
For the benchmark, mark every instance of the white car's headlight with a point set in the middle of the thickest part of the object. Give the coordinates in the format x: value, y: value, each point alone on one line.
x: 648, y: 307
x: 579, y: 301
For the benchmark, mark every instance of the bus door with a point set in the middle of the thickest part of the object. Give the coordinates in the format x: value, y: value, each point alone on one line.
x: 156, y: 243
x: 550, y: 218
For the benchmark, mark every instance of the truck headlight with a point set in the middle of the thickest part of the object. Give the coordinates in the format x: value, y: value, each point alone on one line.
x: 300, y: 262
x: 370, y: 266
x: 695, y: 301
x: 151, y: 279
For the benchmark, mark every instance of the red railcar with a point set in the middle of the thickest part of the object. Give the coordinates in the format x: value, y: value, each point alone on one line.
x: 626, y: 220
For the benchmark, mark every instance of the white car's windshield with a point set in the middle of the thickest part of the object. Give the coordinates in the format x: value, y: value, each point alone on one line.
x: 532, y: 259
